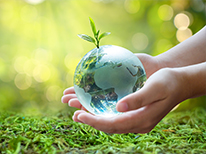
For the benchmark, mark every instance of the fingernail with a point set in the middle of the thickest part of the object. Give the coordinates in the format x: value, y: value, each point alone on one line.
x: 69, y: 103
x: 79, y: 118
x: 122, y: 107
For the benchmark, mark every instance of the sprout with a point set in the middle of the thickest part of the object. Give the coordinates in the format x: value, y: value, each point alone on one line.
x: 96, y: 39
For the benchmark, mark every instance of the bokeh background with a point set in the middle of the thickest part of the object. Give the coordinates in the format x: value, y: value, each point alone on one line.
x: 39, y: 47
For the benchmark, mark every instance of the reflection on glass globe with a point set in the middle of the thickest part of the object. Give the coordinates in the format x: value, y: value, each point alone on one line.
x: 104, y: 76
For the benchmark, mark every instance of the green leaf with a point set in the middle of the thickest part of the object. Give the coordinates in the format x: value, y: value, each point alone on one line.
x: 97, y: 34
x: 86, y: 37
x: 93, y: 26
x: 104, y: 34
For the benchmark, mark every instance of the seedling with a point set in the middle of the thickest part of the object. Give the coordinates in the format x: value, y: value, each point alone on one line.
x: 96, y: 39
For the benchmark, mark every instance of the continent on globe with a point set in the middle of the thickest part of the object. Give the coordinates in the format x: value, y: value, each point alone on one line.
x: 104, y: 76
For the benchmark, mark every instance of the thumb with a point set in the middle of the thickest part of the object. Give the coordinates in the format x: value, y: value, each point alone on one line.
x: 146, y: 95
x: 130, y: 102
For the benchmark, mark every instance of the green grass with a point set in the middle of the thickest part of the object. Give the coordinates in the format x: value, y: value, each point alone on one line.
x: 178, y: 132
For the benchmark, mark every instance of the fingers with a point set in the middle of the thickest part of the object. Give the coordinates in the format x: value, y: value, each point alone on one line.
x: 150, y: 93
x: 71, y: 98
x: 66, y: 98
x: 69, y: 91
x: 142, y: 120
x: 118, y: 124
x: 97, y: 122
x: 75, y: 103
x: 76, y: 115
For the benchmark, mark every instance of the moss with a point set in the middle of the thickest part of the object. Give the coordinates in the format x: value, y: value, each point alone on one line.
x: 178, y: 132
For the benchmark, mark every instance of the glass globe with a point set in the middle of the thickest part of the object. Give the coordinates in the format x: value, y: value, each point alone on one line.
x: 104, y: 76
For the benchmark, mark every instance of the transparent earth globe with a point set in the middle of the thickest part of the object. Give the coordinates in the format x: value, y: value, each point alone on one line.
x: 104, y: 76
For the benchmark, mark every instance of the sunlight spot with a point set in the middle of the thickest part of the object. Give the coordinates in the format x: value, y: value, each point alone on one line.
x: 53, y: 93
x: 140, y: 41
x: 190, y: 16
x: 41, y: 73
x: 165, y: 12
x: 132, y: 6
x: 42, y: 55
x: 181, y: 21
x: 19, y: 63
x: 34, y: 2
x: 29, y: 67
x: 22, y: 81
x: 183, y: 34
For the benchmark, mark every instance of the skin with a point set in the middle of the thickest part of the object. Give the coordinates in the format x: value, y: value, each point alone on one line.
x: 173, y: 76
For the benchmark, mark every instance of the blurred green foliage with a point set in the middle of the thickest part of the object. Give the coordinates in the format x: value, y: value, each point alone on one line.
x: 39, y: 47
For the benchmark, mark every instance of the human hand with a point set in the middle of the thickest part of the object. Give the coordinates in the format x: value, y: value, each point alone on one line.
x: 144, y: 108
x: 70, y: 97
x: 150, y: 64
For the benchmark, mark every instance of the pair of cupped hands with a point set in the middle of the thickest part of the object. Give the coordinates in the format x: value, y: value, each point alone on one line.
x: 144, y: 108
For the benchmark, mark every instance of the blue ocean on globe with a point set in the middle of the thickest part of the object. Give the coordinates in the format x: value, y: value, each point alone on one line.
x: 104, y: 76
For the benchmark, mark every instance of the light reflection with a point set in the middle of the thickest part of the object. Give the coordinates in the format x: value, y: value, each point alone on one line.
x: 53, y: 93
x: 34, y: 2
x: 41, y: 73
x: 183, y: 34
x: 190, y: 16
x: 181, y: 21
x: 19, y: 63
x: 140, y: 41
x: 42, y: 55
x: 29, y: 66
x: 165, y: 12
x: 22, y: 81
x: 132, y: 6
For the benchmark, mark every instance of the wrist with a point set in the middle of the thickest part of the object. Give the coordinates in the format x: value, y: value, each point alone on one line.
x: 161, y: 62
x: 193, y: 80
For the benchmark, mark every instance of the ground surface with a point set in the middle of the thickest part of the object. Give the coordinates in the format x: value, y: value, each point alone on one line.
x: 178, y: 132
